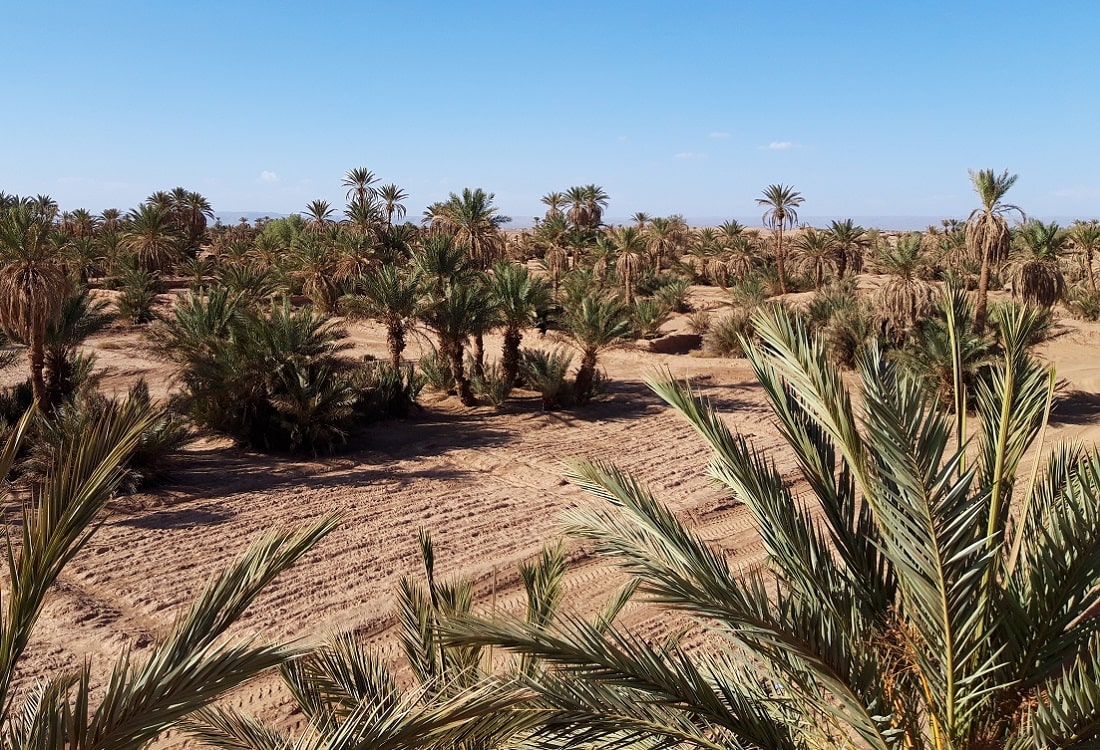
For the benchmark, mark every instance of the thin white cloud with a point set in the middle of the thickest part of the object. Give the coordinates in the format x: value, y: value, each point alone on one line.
x: 622, y: 139
x: 268, y: 176
x: 719, y: 135
x: 780, y: 146
x: 690, y: 155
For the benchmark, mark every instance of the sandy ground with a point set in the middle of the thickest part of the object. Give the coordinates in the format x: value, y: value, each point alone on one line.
x: 487, y: 484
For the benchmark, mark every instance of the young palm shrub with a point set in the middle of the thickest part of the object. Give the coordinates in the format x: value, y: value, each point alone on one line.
x: 945, y: 354
x: 1036, y: 266
x: 726, y: 334
x: 192, y: 666
x: 138, y: 292
x: 271, y: 380
x: 383, y: 392
x: 840, y: 315
x: 453, y: 316
x: 648, y: 315
x: 916, y: 596
x: 436, y: 371
x: 595, y: 323
x: 253, y: 284
x: 491, y: 383
x: 1085, y: 236
x: 904, y: 299
x: 66, y: 368
x: 545, y: 372
x: 814, y: 252
x: 700, y: 321
x: 520, y: 299
x: 1084, y: 303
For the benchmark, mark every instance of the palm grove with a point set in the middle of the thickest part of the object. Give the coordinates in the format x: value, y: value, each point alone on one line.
x: 922, y: 589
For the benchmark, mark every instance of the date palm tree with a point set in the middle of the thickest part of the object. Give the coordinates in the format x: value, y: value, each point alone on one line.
x: 904, y: 299
x: 587, y: 204
x: 914, y: 594
x: 451, y: 316
x: 815, y: 251
x: 520, y: 298
x: 391, y: 197
x: 987, y: 234
x: 359, y: 182
x: 1037, y: 262
x: 554, y: 203
x: 781, y: 202
x: 391, y: 296
x: 151, y: 237
x: 629, y: 247
x: 664, y: 237
x: 474, y: 221
x: 1085, y: 236
x: 34, y: 284
x: 595, y: 322
x: 850, y: 241
x: 319, y: 214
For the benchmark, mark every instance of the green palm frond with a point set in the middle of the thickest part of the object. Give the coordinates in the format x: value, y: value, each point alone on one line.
x: 1068, y: 713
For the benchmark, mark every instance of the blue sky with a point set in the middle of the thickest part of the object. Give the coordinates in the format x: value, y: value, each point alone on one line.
x: 866, y: 108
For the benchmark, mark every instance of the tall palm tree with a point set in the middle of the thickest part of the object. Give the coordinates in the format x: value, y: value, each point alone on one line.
x: 359, y: 182
x: 594, y: 322
x: 915, y: 596
x: 587, y: 204
x: 816, y: 251
x: 391, y: 197
x: 987, y: 234
x: 391, y: 296
x: 629, y: 247
x: 554, y: 203
x: 665, y: 236
x: 151, y: 237
x: 850, y: 240
x: 520, y: 298
x: 1037, y: 263
x: 640, y: 219
x: 904, y: 299
x: 453, y: 316
x: 34, y: 284
x: 319, y: 214
x: 1085, y: 236
x: 781, y: 202
x: 474, y: 221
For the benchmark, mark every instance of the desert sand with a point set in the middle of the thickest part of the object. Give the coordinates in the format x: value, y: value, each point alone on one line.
x: 487, y: 484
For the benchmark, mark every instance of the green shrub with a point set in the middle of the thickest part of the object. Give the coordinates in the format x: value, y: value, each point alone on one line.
x: 1084, y: 304
x: 648, y: 315
x: 723, y: 339
x: 271, y: 380
x: 491, y: 384
x: 699, y: 322
x: 675, y: 294
x: 545, y: 373
x: 384, y: 392
x: 138, y: 291
x: 437, y: 372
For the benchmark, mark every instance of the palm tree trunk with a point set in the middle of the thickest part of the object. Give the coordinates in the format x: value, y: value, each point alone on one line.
x: 586, y: 375
x: 841, y: 265
x: 1088, y: 270
x: 462, y: 383
x: 982, y: 304
x: 395, y: 336
x: 509, y: 356
x: 479, y: 355
x: 780, y: 264
x: 37, y: 354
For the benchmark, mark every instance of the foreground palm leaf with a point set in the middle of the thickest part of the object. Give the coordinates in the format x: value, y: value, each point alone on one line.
x: 186, y: 671
x: 903, y: 605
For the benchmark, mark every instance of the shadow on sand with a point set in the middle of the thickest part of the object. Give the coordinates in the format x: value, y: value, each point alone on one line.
x: 1076, y: 408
